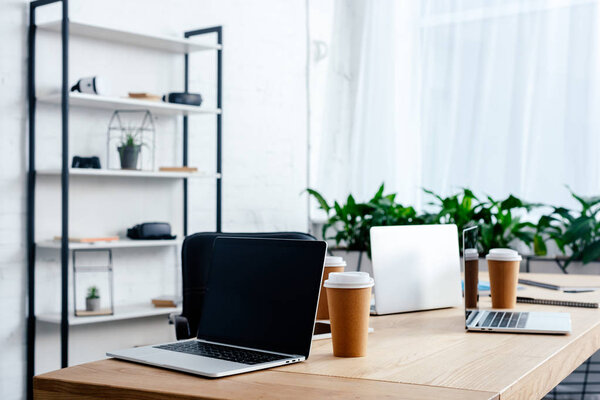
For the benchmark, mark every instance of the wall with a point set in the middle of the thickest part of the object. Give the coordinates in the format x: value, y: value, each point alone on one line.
x: 264, y: 159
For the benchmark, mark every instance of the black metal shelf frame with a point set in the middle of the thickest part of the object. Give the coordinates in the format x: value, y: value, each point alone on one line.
x: 31, y: 175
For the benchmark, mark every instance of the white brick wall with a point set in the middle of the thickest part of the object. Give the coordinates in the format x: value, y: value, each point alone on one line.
x: 264, y: 127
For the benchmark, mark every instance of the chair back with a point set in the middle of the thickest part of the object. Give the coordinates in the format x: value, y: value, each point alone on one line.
x: 196, y: 255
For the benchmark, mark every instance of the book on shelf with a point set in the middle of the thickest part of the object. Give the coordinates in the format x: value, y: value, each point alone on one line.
x: 95, y: 313
x: 166, y: 301
x: 178, y: 169
x: 144, y: 96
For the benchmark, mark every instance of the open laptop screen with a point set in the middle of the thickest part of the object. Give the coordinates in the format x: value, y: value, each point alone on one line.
x: 263, y: 293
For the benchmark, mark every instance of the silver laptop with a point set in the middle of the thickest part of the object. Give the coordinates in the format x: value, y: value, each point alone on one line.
x: 416, y: 267
x: 258, y: 311
x: 508, y: 321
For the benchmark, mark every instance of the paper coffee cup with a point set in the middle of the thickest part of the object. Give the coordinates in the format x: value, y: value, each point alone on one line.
x: 332, y: 264
x: 503, y: 267
x: 349, y: 301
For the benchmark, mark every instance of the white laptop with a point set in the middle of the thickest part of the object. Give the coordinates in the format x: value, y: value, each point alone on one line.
x: 510, y: 321
x: 257, y: 312
x: 415, y: 267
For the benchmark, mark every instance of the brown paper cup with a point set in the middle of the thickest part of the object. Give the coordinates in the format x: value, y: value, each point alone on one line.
x: 504, y: 276
x: 471, y: 282
x: 322, y: 309
x: 349, y: 314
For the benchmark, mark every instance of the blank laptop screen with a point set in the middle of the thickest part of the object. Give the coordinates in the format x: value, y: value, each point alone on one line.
x: 263, y: 293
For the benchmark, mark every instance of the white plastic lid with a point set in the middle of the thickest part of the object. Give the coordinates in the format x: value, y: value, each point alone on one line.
x: 471, y: 254
x: 503, y: 255
x: 349, y: 280
x: 331, y: 261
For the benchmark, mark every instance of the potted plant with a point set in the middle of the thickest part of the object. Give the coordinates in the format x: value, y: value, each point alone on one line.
x: 459, y: 208
x: 576, y: 235
x: 129, y: 148
x: 92, y: 300
x: 500, y: 224
x: 348, y: 224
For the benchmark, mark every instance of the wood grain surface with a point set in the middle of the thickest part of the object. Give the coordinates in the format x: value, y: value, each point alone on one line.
x: 128, y: 381
x: 410, y: 356
x: 432, y: 348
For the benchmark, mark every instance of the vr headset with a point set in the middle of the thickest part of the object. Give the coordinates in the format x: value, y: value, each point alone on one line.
x: 151, y: 231
x: 191, y: 99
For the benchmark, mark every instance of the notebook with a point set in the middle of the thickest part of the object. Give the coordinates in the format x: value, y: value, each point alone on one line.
x: 564, y: 303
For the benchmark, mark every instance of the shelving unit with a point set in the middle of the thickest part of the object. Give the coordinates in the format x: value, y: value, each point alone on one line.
x: 121, y: 313
x: 123, y: 173
x: 106, y: 102
x: 117, y: 244
x: 65, y: 99
x: 165, y: 43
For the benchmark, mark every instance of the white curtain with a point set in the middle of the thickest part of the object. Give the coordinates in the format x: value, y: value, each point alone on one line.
x: 498, y: 96
x: 369, y: 132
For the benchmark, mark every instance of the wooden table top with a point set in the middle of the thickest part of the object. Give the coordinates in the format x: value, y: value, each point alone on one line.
x: 410, y: 356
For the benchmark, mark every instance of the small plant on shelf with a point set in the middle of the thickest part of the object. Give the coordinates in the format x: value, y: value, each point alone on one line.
x: 92, y: 300
x: 130, y: 147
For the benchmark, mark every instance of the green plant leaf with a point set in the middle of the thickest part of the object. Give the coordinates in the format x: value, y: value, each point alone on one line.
x: 564, y: 213
x: 433, y: 194
x: 351, y: 205
x: 539, y: 246
x: 93, y: 293
x: 469, y: 193
x: 320, y: 199
x: 579, y: 228
x: 591, y: 252
x: 545, y: 221
x: 511, y: 202
x: 379, y: 193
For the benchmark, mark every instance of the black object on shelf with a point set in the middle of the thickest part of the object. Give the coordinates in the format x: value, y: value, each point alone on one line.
x: 86, y: 162
x: 31, y: 172
x: 191, y: 99
x: 151, y: 231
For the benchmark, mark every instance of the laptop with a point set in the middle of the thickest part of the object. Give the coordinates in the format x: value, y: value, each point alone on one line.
x: 259, y: 310
x: 416, y: 267
x: 509, y: 321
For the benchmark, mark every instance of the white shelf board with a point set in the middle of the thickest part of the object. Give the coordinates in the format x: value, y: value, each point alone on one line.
x: 164, y: 43
x: 107, y: 102
x: 117, y: 244
x: 121, y: 313
x: 124, y: 173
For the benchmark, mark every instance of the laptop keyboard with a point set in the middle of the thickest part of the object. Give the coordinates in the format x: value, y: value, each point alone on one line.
x: 500, y: 319
x: 220, y: 352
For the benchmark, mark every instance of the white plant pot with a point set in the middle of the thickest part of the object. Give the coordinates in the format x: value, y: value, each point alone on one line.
x: 92, y: 304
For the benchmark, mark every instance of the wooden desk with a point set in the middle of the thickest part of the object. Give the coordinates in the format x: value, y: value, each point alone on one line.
x: 411, y: 356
